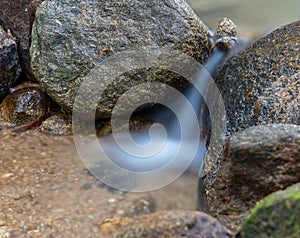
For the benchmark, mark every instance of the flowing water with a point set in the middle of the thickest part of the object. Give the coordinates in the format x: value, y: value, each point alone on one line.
x: 44, y: 189
x: 154, y: 159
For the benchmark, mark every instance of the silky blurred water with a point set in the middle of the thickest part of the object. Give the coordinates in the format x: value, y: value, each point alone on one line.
x: 256, y: 16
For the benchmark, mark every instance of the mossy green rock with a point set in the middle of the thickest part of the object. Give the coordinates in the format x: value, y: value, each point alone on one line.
x: 277, y: 215
x: 71, y: 37
x: 261, y: 84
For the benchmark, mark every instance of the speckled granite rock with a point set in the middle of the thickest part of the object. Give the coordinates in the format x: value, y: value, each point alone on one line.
x: 9, y: 63
x: 168, y: 224
x: 70, y: 37
x: 277, y: 215
x: 256, y: 162
x: 24, y: 105
x: 261, y: 84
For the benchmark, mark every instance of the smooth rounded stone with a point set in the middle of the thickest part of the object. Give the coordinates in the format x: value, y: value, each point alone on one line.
x: 15, y: 16
x: 24, y: 105
x: 9, y: 63
x: 58, y: 124
x: 277, y: 215
x: 256, y: 162
x: 70, y: 37
x: 261, y: 84
x: 175, y: 224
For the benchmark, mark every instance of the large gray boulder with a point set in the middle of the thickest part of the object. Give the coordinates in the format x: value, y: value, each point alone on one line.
x: 261, y: 84
x: 70, y: 37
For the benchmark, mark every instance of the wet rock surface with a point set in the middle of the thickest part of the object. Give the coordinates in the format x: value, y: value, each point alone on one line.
x: 9, y: 63
x: 256, y: 162
x: 166, y: 224
x: 277, y: 215
x: 261, y: 84
x: 58, y: 124
x: 69, y: 38
x: 17, y: 16
x: 24, y: 105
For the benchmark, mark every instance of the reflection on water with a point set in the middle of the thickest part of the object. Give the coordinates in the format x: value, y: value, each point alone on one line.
x: 250, y: 16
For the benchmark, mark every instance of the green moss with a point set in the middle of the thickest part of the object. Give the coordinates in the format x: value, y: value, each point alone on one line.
x: 277, y: 215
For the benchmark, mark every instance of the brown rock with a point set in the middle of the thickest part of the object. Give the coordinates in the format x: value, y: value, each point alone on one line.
x: 257, y: 161
x: 166, y: 224
x: 25, y: 105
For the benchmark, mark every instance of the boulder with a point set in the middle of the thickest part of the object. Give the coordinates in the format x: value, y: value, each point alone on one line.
x: 261, y: 84
x: 277, y: 215
x: 256, y: 162
x: 17, y: 16
x: 165, y: 224
x: 9, y: 63
x: 70, y: 38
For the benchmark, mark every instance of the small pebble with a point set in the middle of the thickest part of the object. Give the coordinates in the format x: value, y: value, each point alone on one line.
x: 112, y: 200
x: 8, y: 175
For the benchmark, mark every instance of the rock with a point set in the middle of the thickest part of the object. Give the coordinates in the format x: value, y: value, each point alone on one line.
x: 24, y: 105
x: 256, y: 162
x: 17, y: 16
x: 138, y: 123
x: 165, y: 224
x: 70, y: 38
x: 261, y: 84
x: 9, y: 63
x: 277, y: 215
x: 58, y: 124
x: 14, y: 15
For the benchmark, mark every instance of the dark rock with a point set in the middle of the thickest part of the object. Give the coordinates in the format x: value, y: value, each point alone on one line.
x: 25, y: 105
x: 261, y: 84
x: 17, y: 16
x: 256, y: 162
x: 137, y: 123
x: 9, y: 63
x: 166, y: 224
x: 70, y: 38
x: 277, y: 215
x: 58, y: 124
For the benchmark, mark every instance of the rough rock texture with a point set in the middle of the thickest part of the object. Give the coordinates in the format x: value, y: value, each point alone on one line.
x: 24, y: 106
x: 261, y: 84
x: 257, y: 161
x: 9, y: 63
x: 17, y: 16
x: 70, y: 37
x: 277, y: 215
x: 58, y: 124
x: 175, y: 224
